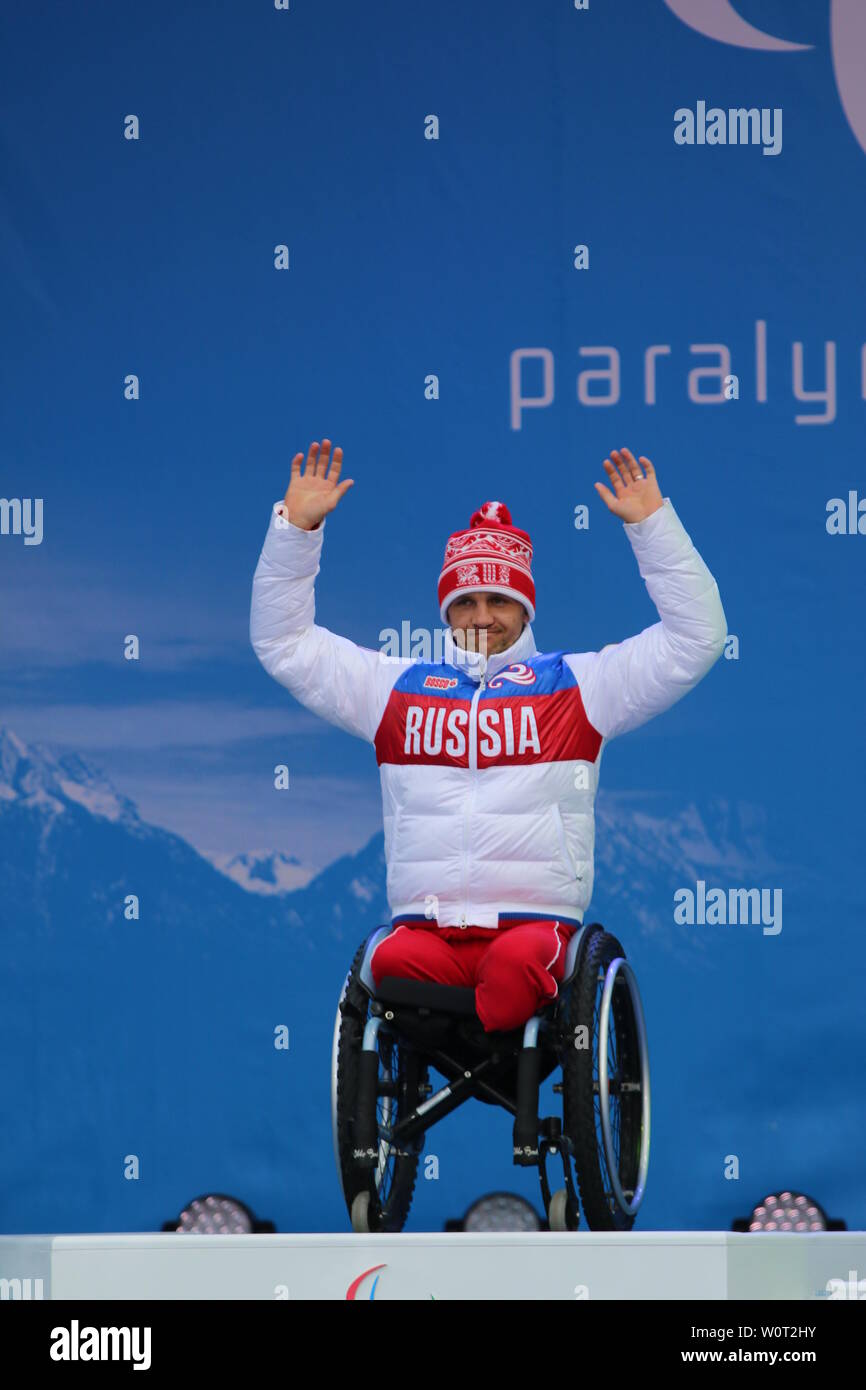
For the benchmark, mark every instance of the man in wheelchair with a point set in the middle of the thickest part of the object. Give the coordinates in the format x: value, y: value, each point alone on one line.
x: 489, y: 759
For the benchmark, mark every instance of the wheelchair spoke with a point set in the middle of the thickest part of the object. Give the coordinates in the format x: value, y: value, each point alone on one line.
x: 385, y: 1113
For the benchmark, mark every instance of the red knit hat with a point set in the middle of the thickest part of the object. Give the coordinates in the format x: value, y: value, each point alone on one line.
x: 492, y: 555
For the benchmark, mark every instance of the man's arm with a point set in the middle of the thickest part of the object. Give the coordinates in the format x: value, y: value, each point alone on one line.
x: 624, y: 685
x: 344, y: 683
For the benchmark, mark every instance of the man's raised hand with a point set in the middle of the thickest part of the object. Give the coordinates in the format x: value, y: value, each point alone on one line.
x: 635, y: 494
x: 315, y: 491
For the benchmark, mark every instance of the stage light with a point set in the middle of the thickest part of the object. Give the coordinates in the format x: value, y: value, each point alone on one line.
x: 498, y: 1211
x: 787, y: 1211
x: 216, y: 1214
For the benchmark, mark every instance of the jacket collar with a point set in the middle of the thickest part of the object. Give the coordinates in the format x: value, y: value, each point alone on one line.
x: 476, y: 666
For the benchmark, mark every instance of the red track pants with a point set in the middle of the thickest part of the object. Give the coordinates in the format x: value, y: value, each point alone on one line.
x: 514, y: 969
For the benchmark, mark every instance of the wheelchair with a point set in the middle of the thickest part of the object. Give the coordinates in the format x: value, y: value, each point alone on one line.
x: 387, y: 1039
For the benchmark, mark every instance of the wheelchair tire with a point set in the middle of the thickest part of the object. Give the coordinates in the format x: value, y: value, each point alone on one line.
x: 391, y: 1184
x: 560, y: 1216
x: 628, y: 1089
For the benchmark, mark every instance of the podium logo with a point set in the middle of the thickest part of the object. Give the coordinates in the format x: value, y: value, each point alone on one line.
x: 717, y: 19
x: 352, y: 1293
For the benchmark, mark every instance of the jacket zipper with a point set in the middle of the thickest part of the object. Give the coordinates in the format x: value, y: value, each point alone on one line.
x: 470, y: 795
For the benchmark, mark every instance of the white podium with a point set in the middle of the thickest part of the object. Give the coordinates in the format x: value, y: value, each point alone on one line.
x: 546, y: 1265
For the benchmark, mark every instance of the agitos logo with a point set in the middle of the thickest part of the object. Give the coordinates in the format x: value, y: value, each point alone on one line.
x: 717, y: 19
x: 352, y: 1291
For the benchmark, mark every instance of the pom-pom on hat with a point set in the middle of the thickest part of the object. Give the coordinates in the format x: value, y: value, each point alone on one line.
x: 492, y: 555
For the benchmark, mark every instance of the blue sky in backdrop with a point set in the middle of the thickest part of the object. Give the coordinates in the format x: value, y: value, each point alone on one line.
x: 411, y: 257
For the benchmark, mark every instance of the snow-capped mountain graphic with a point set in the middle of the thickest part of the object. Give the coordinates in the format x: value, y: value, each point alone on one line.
x: 72, y: 844
x: 264, y: 871
x: 73, y: 849
x: 34, y: 776
x: 142, y: 987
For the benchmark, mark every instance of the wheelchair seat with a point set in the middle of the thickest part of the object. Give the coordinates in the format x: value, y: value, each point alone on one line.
x: 447, y: 999
x: 426, y: 994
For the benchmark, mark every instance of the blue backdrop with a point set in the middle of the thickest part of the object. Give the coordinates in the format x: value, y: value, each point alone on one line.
x: 432, y: 173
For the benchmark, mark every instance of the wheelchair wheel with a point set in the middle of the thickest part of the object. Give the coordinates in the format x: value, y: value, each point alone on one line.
x: 605, y: 1085
x: 378, y: 1197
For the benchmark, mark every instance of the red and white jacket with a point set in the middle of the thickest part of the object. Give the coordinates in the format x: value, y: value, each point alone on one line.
x: 489, y: 769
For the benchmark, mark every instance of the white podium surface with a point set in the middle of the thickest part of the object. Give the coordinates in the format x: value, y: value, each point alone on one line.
x: 545, y: 1265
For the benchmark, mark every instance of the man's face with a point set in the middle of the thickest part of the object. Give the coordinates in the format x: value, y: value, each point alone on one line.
x: 485, y: 622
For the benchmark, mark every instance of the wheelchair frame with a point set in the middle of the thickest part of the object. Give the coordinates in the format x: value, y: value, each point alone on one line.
x: 440, y: 1025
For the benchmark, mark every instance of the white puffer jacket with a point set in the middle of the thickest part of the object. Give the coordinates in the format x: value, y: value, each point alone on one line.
x: 489, y: 770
